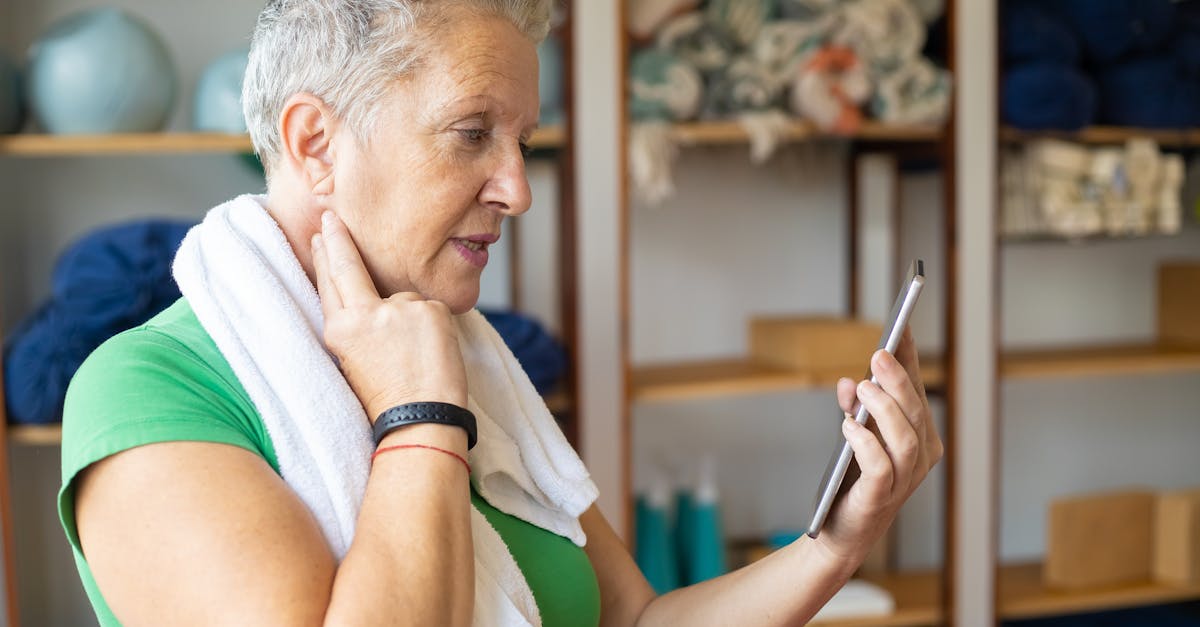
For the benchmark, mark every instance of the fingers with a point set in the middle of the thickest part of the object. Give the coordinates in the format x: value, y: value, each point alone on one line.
x: 900, y: 438
x: 906, y: 354
x: 331, y: 301
x: 344, y: 264
x: 900, y: 387
x: 895, y: 380
x: 847, y: 395
x: 877, y: 474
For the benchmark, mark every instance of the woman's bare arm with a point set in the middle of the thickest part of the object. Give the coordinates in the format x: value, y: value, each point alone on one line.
x: 191, y: 533
x: 792, y: 584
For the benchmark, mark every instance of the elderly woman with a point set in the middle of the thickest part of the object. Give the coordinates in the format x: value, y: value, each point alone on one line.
x: 288, y: 444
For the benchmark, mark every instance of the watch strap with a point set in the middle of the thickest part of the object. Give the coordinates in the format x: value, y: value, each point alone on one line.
x: 425, y: 412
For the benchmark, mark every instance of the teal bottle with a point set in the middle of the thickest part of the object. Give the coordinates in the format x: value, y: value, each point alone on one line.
x: 683, y: 532
x: 706, y: 548
x: 655, y: 548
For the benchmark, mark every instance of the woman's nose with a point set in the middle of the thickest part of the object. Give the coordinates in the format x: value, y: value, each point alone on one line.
x: 507, y: 191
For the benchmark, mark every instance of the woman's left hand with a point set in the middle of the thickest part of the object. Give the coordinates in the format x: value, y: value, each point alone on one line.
x: 895, y: 451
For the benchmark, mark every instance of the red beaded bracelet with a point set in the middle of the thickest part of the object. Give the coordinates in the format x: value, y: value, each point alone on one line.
x: 432, y: 448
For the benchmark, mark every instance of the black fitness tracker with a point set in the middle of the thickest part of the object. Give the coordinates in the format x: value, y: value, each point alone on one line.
x: 415, y: 413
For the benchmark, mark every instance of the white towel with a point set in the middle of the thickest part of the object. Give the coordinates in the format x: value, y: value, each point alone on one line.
x: 247, y: 288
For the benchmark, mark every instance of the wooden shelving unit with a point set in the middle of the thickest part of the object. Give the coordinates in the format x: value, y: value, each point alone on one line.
x: 731, y: 133
x: 1023, y: 595
x: 1100, y: 361
x: 35, y: 435
x: 734, y: 377
x: 37, y: 145
x: 1175, y: 138
x: 918, y: 602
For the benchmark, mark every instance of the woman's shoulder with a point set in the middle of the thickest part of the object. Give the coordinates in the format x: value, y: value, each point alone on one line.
x: 164, y: 380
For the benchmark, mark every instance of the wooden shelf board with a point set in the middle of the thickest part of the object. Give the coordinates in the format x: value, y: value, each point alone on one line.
x: 918, y: 602
x: 35, y: 435
x: 42, y: 145
x: 1099, y: 360
x: 1108, y: 135
x: 548, y: 138
x: 730, y: 132
x: 38, y: 145
x: 738, y: 376
x: 1023, y: 595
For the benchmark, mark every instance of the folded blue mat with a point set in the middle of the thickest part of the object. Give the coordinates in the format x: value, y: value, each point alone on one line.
x: 110, y: 280
x: 1032, y: 32
x: 1047, y: 96
x: 1150, y: 92
x: 1111, y: 29
x: 1185, y: 42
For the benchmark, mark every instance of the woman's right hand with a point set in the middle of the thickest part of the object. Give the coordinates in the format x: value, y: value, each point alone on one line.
x: 394, y: 350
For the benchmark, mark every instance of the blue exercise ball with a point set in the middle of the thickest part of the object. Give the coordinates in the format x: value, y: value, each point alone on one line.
x: 218, y: 104
x: 101, y: 71
x: 11, y: 109
x: 550, y: 80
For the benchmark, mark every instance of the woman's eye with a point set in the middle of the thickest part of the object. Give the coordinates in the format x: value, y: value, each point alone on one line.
x: 474, y: 135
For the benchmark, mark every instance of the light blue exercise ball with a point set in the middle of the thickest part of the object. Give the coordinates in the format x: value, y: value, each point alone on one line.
x: 12, y: 112
x: 550, y: 80
x: 101, y: 71
x: 218, y: 104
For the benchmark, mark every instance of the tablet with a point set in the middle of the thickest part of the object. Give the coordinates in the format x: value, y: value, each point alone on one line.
x: 843, y: 455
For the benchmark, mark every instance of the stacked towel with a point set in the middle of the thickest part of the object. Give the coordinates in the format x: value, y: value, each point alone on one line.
x: 1142, y: 63
x: 1041, y: 96
x: 1149, y: 92
x: 1032, y: 33
x: 1113, y: 29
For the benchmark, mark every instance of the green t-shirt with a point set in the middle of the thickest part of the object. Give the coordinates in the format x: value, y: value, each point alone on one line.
x: 167, y: 381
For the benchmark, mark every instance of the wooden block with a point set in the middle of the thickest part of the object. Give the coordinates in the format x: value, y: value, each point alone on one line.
x: 1179, y: 303
x: 1177, y: 538
x: 827, y: 345
x: 1100, y: 539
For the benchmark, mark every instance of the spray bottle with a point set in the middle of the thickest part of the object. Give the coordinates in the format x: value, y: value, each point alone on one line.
x: 655, y: 548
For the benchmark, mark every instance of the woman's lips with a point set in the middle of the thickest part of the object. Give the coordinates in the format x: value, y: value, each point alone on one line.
x: 474, y: 248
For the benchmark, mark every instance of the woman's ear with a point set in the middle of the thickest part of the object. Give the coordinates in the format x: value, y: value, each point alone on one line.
x: 306, y: 128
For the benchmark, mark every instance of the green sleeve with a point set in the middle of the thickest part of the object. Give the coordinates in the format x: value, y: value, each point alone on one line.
x: 146, y: 386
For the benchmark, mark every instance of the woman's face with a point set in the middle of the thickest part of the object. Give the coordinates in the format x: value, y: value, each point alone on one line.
x: 445, y: 164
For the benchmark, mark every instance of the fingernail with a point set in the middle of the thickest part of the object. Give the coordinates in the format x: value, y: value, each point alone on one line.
x: 881, y: 360
x: 316, y: 242
x: 327, y: 218
x: 865, y: 388
x: 850, y: 425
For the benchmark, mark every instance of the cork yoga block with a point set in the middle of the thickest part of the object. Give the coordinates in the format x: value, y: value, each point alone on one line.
x: 1100, y: 539
x: 1179, y: 303
x: 1177, y: 538
x: 828, y: 345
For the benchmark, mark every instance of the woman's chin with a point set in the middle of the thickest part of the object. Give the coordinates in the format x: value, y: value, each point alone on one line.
x: 460, y: 301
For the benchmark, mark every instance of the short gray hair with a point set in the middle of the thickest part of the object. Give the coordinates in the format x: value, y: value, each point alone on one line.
x: 348, y: 53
